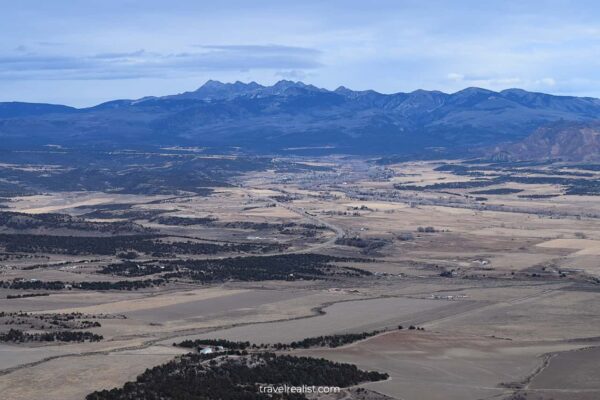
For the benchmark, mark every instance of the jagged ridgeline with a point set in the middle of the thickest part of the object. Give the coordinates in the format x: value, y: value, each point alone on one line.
x: 295, y: 117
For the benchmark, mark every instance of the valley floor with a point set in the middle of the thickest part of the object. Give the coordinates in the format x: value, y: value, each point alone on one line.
x: 506, y: 289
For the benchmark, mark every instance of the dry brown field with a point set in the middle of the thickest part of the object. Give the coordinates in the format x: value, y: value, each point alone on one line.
x: 506, y: 289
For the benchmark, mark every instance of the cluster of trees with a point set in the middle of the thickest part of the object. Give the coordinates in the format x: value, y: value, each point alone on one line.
x: 109, y: 245
x: 10, y: 189
x: 366, y: 245
x: 447, y: 274
x: 119, y: 173
x: 16, y: 220
x: 449, y: 185
x: 414, y: 328
x: 318, y: 341
x: 498, y: 191
x: 68, y: 320
x: 331, y: 340
x: 123, y: 213
x: 537, y: 196
x: 119, y: 285
x: 284, y: 198
x: 51, y: 320
x: 254, y: 268
x: 248, y: 268
x: 93, y: 285
x: 130, y: 268
x: 19, y: 336
x: 511, y: 168
x: 307, y: 230
x: 192, y: 377
x: 405, y: 236
x: 76, y: 245
x: 261, y: 226
x: 584, y: 187
x: 459, y: 169
x: 183, y: 221
x: 32, y: 285
x: 24, y: 295
x: 257, y: 226
x: 587, y: 167
x: 164, y: 172
x: 574, y: 185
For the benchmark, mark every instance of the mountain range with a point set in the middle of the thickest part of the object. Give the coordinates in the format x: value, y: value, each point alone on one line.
x: 294, y: 116
x: 568, y: 141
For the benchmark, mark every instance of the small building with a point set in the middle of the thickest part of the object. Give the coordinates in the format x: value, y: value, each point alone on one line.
x: 212, y: 349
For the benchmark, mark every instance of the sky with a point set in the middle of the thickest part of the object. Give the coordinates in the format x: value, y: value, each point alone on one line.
x: 82, y: 53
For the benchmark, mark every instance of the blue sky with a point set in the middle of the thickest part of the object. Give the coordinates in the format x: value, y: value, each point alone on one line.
x: 84, y: 52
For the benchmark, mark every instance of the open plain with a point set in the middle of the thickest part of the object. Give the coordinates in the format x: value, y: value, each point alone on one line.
x: 491, y: 269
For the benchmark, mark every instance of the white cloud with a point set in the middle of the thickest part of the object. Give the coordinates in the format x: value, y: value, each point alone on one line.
x: 546, y: 82
x: 140, y: 63
x: 453, y: 76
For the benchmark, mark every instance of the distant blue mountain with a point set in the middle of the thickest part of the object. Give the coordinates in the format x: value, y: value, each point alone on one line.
x: 293, y: 114
x: 18, y: 109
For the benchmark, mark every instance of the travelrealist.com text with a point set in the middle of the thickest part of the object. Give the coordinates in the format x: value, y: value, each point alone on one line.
x: 280, y: 389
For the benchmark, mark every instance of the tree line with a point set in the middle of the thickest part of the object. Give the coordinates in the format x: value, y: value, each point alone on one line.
x: 19, y: 336
x: 93, y: 285
x: 111, y: 245
x: 317, y: 341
